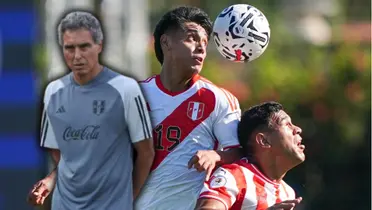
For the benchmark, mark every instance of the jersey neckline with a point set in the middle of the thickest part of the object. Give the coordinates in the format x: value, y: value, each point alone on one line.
x: 92, y: 82
x: 245, y: 163
x: 160, y: 85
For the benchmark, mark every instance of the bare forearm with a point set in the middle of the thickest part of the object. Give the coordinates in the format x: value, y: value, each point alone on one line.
x: 56, y: 156
x: 53, y: 173
x: 140, y: 172
x: 230, y: 156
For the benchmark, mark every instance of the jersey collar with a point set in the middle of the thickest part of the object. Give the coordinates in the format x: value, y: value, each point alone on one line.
x: 160, y: 85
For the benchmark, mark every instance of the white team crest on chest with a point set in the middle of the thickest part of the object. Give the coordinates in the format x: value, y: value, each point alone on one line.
x: 195, y: 110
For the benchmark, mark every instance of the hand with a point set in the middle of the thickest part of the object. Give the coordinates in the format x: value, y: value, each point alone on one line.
x: 205, y: 160
x: 40, y: 191
x: 286, y: 205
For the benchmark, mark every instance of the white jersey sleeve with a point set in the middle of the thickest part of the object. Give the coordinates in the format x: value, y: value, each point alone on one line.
x: 228, y: 116
x: 135, y: 112
x: 222, y: 186
x: 48, y: 139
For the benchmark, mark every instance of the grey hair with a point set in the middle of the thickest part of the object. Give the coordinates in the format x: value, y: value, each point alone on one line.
x: 80, y: 20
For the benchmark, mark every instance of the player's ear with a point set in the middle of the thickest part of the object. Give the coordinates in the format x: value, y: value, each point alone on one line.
x: 100, y: 47
x: 262, y: 140
x: 165, y: 42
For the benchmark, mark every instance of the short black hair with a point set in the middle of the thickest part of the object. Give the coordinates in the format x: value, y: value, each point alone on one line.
x: 256, y: 117
x: 175, y: 19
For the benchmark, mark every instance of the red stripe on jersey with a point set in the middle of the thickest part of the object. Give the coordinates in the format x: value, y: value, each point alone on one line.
x: 258, y: 173
x: 259, y: 182
x: 277, y: 196
x: 261, y: 194
x: 184, y: 119
x: 228, y: 98
x: 234, y: 101
x: 165, y: 90
x: 232, y: 98
x: 241, y: 183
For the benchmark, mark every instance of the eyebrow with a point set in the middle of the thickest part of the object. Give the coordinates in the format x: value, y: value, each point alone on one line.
x: 280, y: 120
x: 85, y: 45
x: 79, y: 45
x: 191, y: 30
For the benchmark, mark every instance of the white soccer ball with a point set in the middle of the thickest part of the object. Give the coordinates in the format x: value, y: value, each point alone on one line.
x: 241, y: 33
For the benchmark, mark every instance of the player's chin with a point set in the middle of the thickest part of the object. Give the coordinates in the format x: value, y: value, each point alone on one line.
x: 80, y: 71
x: 300, y: 157
x: 197, y: 68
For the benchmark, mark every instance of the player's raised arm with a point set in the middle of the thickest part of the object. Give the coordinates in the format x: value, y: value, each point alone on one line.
x: 140, y: 130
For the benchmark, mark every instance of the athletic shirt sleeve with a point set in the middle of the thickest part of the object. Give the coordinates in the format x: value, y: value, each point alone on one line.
x: 48, y: 139
x: 222, y: 186
x: 228, y: 116
x: 135, y: 112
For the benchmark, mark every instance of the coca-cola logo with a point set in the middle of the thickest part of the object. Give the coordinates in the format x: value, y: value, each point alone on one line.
x: 89, y: 132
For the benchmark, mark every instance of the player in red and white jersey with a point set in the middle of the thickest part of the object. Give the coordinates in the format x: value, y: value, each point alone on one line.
x: 191, y: 117
x: 273, y: 146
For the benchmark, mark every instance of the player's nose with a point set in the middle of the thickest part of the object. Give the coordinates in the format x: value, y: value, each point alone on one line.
x: 297, y: 130
x: 201, y: 48
x: 77, y: 54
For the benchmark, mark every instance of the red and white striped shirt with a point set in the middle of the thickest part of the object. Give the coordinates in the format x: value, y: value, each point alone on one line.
x: 242, y: 186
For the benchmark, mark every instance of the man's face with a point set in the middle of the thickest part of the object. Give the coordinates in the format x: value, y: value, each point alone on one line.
x: 285, y: 138
x: 188, y: 47
x: 80, y: 51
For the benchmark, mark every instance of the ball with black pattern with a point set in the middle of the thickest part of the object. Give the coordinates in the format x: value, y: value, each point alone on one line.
x: 241, y: 33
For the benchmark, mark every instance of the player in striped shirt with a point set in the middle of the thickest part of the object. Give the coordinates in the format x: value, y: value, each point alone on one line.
x: 272, y: 144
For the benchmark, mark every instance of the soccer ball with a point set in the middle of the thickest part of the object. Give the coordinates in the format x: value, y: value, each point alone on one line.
x: 241, y: 33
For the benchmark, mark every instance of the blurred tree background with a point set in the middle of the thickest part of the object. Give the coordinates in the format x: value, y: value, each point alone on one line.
x: 318, y: 65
